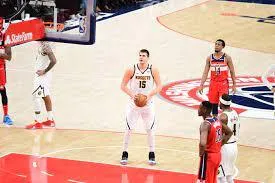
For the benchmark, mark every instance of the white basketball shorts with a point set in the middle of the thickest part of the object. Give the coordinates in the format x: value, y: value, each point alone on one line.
x: 147, y: 114
x: 42, y: 85
x: 229, y: 154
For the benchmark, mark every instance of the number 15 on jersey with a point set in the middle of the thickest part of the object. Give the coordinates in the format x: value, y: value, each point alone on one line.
x: 142, y: 84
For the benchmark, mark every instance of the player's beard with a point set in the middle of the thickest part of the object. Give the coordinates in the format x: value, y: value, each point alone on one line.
x: 142, y: 61
x: 199, y: 113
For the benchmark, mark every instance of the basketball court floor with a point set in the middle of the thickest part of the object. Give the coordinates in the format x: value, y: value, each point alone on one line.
x: 89, y: 106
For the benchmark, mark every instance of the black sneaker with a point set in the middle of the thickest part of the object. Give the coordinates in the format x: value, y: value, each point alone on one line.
x: 124, y: 158
x: 152, y: 160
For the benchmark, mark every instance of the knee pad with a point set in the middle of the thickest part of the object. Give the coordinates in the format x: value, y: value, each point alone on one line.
x: 37, y: 103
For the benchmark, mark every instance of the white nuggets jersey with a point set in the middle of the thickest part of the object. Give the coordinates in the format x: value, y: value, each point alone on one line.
x: 234, y: 124
x: 142, y: 82
x: 42, y: 60
x: 43, y: 82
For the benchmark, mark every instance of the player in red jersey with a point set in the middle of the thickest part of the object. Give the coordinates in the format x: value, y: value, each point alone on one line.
x: 219, y: 63
x: 1, y: 33
x: 5, y: 54
x: 212, y: 135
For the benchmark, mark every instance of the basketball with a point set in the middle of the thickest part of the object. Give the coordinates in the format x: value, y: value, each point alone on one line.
x: 140, y: 100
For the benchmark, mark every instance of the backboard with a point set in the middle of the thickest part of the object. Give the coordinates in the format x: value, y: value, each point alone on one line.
x: 65, y: 22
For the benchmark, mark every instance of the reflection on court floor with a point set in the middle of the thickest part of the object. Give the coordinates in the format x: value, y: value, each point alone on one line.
x: 18, y: 168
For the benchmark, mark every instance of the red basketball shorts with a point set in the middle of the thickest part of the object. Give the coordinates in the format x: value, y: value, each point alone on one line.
x: 216, y: 90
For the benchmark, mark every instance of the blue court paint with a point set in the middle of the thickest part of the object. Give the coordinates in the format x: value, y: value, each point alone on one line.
x: 269, y: 19
x: 258, y: 97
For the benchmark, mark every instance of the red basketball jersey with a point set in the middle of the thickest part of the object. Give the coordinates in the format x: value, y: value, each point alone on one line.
x: 219, y: 68
x: 2, y: 61
x: 214, y: 140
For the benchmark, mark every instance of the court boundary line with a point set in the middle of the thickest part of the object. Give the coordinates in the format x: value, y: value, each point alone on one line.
x: 9, y: 172
x: 118, y: 164
x: 137, y: 133
x: 191, y: 36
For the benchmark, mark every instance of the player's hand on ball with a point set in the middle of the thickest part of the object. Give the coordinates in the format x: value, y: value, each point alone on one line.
x: 140, y: 100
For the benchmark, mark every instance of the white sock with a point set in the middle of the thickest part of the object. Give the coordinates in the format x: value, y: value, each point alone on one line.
x: 37, y: 117
x: 151, y: 140
x: 50, y: 115
x: 126, y: 140
x: 229, y: 179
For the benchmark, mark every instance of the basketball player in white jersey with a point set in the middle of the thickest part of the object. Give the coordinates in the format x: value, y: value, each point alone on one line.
x: 229, y: 151
x: 141, y: 78
x: 45, y: 60
x: 269, y: 73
